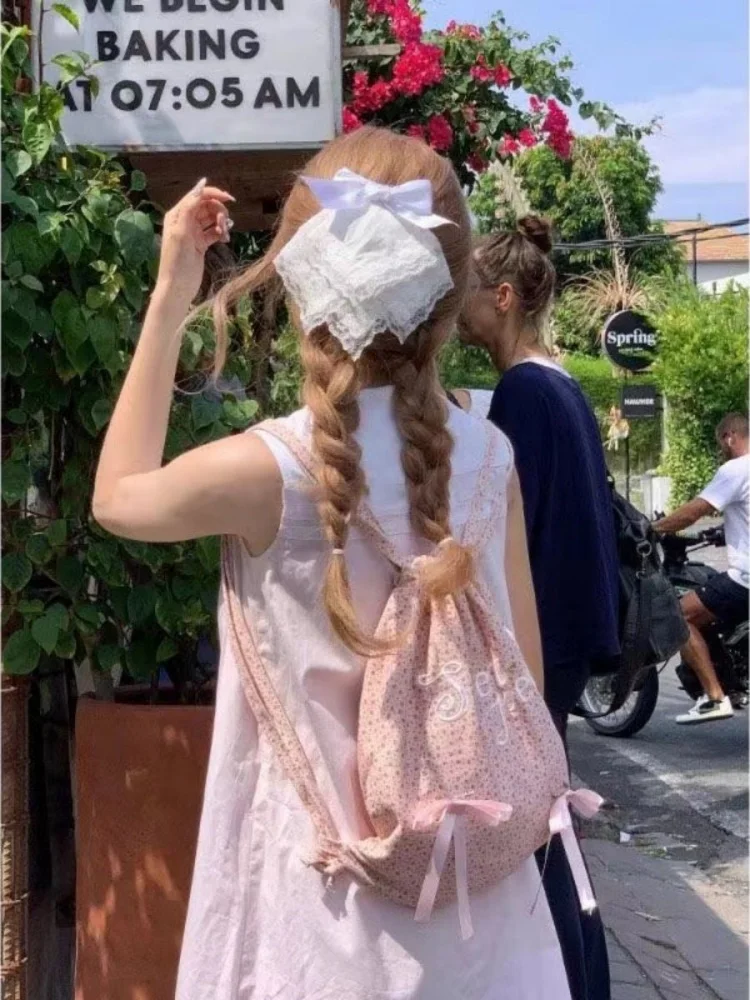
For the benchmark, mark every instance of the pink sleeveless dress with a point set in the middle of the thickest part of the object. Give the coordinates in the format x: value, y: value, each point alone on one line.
x: 262, y: 925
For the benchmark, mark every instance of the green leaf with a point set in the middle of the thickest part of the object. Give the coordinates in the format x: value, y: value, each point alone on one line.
x: 119, y: 600
x: 21, y: 653
x: 239, y: 413
x: 46, y: 631
x: 70, y: 15
x: 108, y: 656
x: 71, y: 244
x: 16, y: 478
x: 209, y: 550
x: 57, y: 533
x: 21, y: 241
x: 37, y: 138
x: 18, y: 162
x: 16, y: 416
x: 168, y: 613
x: 134, y: 234
x: 82, y: 358
x: 134, y: 291
x: 141, y: 603
x: 69, y: 574
x: 96, y: 297
x: 16, y: 571
x: 204, y: 411
x: 167, y: 649
x: 184, y: 588
x: 138, y: 181
x: 70, y: 321
x: 26, y: 205
x: 29, y: 281
x: 141, y: 659
x: 30, y: 607
x: 49, y: 222
x: 38, y: 549
x: 66, y: 646
x: 103, y: 332
x: 60, y: 614
x: 88, y: 618
x: 14, y: 363
x: 101, y: 411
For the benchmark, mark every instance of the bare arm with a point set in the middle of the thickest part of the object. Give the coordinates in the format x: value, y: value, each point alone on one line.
x: 463, y: 398
x: 520, y: 585
x: 227, y: 487
x: 684, y: 516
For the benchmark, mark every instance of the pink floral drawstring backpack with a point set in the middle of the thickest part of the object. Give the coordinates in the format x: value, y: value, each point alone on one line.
x: 456, y: 748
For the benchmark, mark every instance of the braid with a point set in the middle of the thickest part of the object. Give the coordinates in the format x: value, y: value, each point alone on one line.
x: 331, y: 388
x: 421, y: 413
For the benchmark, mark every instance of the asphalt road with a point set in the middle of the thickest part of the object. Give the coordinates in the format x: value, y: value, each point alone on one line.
x: 678, y: 791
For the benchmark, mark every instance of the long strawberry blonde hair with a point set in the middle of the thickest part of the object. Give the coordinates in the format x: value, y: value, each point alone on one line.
x: 332, y: 379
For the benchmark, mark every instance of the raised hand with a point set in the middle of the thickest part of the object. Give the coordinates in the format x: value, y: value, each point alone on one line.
x: 195, y: 223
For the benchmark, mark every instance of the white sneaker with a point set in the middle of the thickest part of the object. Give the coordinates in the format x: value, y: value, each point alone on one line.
x: 707, y: 710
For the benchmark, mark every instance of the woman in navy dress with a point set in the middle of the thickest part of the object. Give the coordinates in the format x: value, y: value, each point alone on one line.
x: 563, y: 475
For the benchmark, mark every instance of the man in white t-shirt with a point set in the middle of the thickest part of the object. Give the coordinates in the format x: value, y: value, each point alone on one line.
x: 724, y: 598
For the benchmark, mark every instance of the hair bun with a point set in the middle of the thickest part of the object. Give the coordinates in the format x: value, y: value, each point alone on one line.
x: 537, y: 230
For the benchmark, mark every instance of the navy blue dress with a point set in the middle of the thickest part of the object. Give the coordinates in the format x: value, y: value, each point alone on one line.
x: 563, y: 477
x: 569, y: 523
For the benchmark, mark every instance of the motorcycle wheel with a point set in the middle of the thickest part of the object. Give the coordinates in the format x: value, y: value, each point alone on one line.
x: 632, y: 716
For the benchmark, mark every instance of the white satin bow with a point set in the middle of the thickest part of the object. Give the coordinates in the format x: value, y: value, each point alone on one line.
x: 349, y: 191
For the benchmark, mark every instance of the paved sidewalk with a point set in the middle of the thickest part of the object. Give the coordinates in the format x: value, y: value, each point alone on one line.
x: 672, y: 936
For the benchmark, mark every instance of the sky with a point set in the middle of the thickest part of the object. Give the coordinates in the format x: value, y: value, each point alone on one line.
x: 682, y: 60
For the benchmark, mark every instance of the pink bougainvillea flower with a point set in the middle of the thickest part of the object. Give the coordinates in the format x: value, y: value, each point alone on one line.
x: 379, y: 6
x: 478, y: 162
x: 556, y: 129
x: 527, y: 138
x: 439, y: 133
x: 351, y: 122
x: 470, y: 117
x: 366, y: 97
x: 503, y: 75
x: 416, y: 131
x: 535, y: 104
x: 509, y: 146
x: 406, y: 23
x: 463, y: 30
x: 480, y: 71
x: 417, y: 68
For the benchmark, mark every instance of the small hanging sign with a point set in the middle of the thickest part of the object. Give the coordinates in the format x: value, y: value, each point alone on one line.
x: 629, y: 341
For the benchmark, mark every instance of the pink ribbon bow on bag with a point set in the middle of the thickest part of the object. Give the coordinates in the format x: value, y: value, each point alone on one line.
x: 451, y: 815
x: 587, y: 804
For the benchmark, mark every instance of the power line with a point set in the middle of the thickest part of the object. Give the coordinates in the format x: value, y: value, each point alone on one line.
x: 689, y: 236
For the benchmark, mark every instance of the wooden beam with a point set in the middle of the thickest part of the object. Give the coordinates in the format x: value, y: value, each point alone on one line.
x: 371, y: 51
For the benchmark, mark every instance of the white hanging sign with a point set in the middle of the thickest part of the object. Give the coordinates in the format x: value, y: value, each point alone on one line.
x: 201, y: 74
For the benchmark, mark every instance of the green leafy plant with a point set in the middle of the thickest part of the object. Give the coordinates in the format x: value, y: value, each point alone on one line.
x: 78, y: 257
x: 565, y: 192
x: 702, y: 369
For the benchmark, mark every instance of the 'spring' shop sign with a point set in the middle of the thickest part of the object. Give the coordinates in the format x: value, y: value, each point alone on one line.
x: 201, y: 74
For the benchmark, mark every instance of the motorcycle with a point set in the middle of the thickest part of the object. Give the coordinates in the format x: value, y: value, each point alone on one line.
x: 729, y: 649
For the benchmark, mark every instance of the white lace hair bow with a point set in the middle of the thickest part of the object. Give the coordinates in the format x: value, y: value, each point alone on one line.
x: 367, y: 262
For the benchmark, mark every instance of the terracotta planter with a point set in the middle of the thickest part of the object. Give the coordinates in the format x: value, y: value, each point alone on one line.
x: 14, y: 861
x: 140, y: 773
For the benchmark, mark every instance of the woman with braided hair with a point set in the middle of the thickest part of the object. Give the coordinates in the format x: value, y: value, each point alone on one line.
x: 373, y: 250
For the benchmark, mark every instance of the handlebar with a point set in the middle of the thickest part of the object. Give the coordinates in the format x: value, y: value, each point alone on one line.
x: 709, y: 536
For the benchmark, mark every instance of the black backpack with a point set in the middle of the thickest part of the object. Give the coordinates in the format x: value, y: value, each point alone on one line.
x: 652, y: 626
